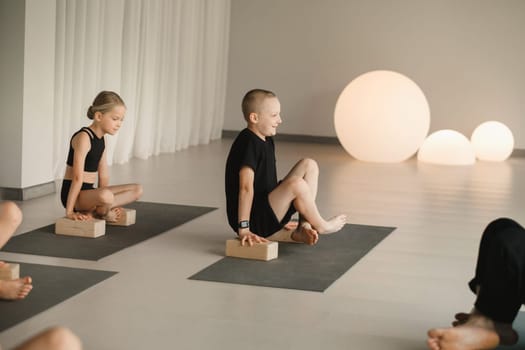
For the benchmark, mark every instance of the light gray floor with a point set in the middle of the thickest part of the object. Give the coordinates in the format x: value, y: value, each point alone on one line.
x: 413, y: 280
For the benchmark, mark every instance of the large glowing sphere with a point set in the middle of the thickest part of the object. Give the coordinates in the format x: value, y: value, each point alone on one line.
x: 381, y: 116
x: 492, y: 141
x: 447, y: 147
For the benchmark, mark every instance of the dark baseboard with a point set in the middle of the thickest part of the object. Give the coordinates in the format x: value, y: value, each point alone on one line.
x: 518, y: 153
x: 22, y: 194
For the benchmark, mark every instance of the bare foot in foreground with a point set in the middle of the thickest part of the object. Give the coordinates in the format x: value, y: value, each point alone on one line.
x: 333, y: 225
x: 15, y: 289
x: 305, y: 234
x: 460, y: 318
x: 113, y: 215
x: 507, y: 334
x: 463, y: 337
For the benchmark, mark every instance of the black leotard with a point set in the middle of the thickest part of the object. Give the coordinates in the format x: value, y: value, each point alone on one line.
x: 94, y: 154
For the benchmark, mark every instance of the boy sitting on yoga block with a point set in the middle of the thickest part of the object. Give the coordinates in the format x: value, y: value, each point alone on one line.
x: 258, y: 206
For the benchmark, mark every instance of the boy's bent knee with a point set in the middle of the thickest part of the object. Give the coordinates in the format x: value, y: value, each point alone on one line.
x: 296, y: 184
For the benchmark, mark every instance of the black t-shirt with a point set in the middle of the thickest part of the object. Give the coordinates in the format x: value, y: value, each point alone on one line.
x: 249, y: 150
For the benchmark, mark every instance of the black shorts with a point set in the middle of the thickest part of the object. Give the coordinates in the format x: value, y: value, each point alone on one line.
x: 66, y: 185
x: 263, y: 221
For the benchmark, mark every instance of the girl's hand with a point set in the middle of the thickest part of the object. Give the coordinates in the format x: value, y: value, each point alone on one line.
x: 77, y: 216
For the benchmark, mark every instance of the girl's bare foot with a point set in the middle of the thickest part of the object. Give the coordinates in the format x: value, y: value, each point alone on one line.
x: 15, y: 289
x: 305, y: 234
x: 291, y: 225
x: 113, y: 215
x: 333, y: 225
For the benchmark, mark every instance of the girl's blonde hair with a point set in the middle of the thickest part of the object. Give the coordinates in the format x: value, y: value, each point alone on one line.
x: 104, y: 102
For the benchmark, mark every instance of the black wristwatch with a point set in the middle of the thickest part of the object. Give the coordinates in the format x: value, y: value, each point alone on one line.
x: 244, y: 224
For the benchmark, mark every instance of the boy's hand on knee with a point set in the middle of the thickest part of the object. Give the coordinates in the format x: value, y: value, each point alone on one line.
x: 251, y: 238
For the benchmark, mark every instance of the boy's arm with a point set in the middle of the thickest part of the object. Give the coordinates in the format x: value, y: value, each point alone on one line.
x: 246, y: 177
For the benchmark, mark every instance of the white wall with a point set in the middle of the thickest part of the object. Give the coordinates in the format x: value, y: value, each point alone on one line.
x: 11, y: 87
x: 467, y: 56
x: 38, y: 107
x: 27, y: 37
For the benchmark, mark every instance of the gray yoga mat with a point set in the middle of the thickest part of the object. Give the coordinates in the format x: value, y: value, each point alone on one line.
x: 299, y: 266
x: 51, y: 286
x: 151, y: 220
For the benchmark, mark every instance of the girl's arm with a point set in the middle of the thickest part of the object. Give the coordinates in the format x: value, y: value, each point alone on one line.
x: 103, y: 173
x: 81, y: 145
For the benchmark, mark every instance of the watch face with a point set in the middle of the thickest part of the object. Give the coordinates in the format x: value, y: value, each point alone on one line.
x: 244, y: 224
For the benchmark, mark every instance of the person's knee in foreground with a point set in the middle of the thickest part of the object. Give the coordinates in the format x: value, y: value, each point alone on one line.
x: 10, y: 219
x: 56, y: 338
x: 258, y: 205
x: 499, y: 284
x: 86, y: 163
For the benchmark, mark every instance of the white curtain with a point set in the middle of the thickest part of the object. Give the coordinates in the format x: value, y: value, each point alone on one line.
x: 166, y: 58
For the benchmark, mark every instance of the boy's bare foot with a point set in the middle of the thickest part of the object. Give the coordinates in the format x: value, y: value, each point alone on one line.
x: 113, y: 215
x: 305, y: 234
x: 333, y: 225
x: 15, y: 289
x: 463, y: 337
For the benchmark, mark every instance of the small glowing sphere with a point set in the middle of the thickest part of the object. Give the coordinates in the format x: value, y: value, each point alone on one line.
x: 492, y: 141
x: 447, y: 147
x: 381, y: 116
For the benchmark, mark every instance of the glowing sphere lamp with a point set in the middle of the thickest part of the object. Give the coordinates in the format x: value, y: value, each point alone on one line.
x: 381, y: 116
x: 447, y: 147
x: 492, y: 141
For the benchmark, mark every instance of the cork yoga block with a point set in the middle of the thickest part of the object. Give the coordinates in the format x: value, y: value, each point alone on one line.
x: 91, y: 228
x: 9, y: 271
x: 258, y: 251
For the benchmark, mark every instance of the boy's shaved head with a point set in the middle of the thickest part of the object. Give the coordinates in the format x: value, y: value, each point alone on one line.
x: 252, y: 101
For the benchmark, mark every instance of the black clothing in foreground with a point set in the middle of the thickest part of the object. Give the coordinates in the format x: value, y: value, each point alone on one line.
x: 500, y: 271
